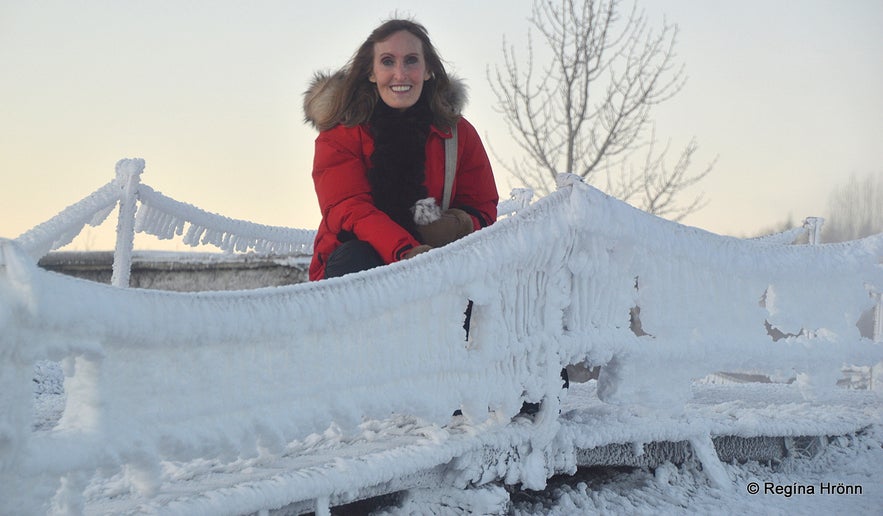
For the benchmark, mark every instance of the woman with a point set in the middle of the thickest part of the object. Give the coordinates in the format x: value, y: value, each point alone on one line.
x: 379, y: 165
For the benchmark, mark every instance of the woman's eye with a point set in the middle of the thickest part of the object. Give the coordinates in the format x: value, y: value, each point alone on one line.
x: 411, y: 60
x: 386, y: 61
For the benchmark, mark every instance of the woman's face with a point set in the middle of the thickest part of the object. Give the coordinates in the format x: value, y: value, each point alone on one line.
x: 399, y: 69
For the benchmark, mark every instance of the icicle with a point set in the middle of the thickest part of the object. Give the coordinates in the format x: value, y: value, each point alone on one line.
x: 193, y: 234
x: 140, y: 217
x: 225, y: 233
x: 703, y: 449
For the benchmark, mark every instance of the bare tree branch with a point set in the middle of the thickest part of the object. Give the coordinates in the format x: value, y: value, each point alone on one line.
x: 589, y: 110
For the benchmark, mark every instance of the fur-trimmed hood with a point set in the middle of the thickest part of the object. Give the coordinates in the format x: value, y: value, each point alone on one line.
x: 320, y: 98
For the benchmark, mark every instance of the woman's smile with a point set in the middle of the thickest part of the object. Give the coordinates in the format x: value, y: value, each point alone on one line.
x: 399, y: 70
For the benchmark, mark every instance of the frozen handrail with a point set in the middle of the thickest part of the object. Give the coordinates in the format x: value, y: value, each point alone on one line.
x: 64, y: 227
x: 144, y: 210
x: 789, y: 236
x: 159, y: 215
x: 811, y: 229
x: 157, y: 376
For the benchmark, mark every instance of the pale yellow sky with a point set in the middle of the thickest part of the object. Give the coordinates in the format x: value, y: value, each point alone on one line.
x: 786, y: 94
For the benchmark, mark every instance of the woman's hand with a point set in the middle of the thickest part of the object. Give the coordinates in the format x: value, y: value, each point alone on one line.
x: 452, y: 225
x: 414, y: 251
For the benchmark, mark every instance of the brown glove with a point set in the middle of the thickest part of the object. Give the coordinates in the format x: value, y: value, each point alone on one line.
x: 414, y: 251
x: 452, y: 225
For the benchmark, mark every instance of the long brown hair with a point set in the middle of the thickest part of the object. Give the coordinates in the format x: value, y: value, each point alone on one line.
x: 356, y: 101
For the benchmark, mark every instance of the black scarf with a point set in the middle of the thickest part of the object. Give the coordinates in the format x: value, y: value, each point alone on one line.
x: 397, y: 170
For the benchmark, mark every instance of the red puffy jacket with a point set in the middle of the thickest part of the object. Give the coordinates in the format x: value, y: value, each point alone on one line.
x: 340, y: 175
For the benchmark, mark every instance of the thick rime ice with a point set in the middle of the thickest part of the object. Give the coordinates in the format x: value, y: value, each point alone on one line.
x: 62, y: 229
x: 166, y: 218
x: 144, y: 210
x: 518, y: 199
x: 684, y: 489
x: 128, y: 175
x: 157, y: 378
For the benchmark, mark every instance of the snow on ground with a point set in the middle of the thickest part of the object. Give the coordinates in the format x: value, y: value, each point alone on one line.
x: 847, y: 464
x: 794, y: 485
x: 846, y: 476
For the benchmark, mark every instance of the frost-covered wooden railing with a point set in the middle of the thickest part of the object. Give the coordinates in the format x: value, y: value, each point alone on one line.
x: 142, y: 209
x: 576, y: 277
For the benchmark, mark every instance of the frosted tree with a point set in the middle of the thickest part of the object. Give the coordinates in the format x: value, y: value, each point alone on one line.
x: 586, y: 109
x: 855, y: 209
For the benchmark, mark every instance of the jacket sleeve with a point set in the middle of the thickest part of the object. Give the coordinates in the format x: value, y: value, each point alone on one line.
x: 344, y: 195
x: 475, y: 191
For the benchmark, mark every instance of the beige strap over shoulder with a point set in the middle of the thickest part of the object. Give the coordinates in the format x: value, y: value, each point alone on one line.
x: 450, y: 167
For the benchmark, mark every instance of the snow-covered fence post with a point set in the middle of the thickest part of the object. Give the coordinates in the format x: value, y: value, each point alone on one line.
x: 877, y: 369
x: 813, y: 226
x: 16, y: 378
x: 522, y: 197
x: 128, y: 175
x: 878, y: 318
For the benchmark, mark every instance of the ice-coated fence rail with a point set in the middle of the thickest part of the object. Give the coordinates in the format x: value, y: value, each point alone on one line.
x: 144, y: 210
x: 153, y: 377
